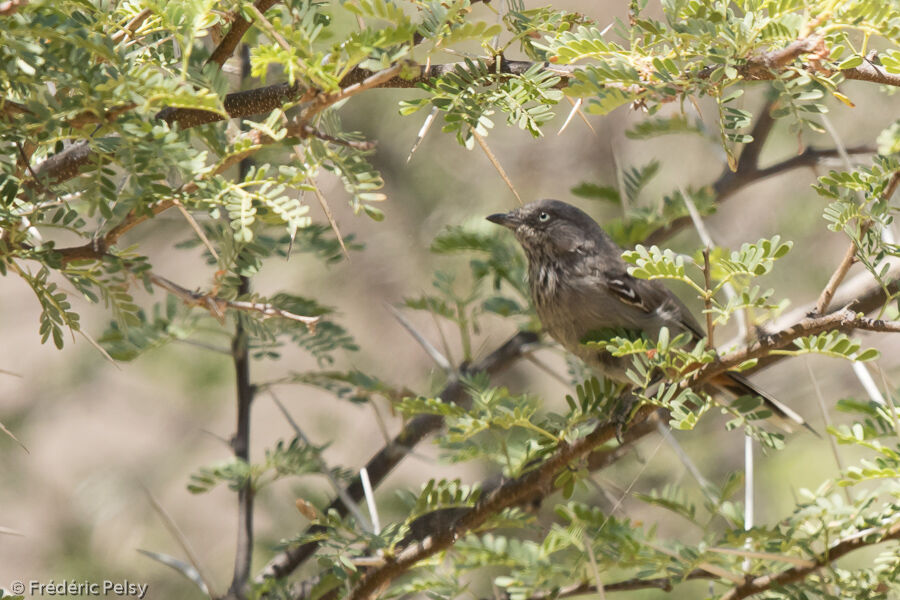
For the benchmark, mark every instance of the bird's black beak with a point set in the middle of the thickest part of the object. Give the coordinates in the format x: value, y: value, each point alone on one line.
x: 509, y: 220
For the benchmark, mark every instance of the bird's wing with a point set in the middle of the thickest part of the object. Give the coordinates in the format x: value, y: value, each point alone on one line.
x: 653, y: 298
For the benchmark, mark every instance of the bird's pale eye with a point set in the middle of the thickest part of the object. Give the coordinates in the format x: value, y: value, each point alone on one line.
x: 544, y: 217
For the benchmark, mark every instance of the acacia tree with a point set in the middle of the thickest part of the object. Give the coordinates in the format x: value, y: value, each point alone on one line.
x: 113, y: 114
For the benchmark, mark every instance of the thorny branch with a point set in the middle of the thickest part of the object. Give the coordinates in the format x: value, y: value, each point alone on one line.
x: 755, y: 585
x: 268, y: 98
x: 384, y: 461
x: 526, y: 487
x: 239, y: 26
x: 749, y: 171
x: 869, y: 297
x: 218, y: 306
x: 850, y: 255
x: 840, y: 320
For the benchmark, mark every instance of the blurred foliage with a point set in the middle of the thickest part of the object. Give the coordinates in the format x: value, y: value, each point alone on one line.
x: 96, y: 135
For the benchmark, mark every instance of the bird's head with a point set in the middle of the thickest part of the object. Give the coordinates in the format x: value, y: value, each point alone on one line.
x: 552, y: 227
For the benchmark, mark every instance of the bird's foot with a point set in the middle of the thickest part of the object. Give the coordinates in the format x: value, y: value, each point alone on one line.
x: 622, y: 415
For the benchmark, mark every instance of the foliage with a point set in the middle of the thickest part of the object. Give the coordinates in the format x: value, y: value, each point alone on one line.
x: 112, y: 114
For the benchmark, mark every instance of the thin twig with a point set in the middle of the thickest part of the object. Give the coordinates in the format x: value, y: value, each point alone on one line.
x: 217, y: 306
x: 496, y: 163
x: 239, y: 26
x: 328, y: 214
x: 707, y: 299
x: 826, y: 418
x: 323, y: 466
x: 196, y: 227
x: 432, y: 352
x: 838, y: 276
x: 182, y: 541
x: 131, y: 26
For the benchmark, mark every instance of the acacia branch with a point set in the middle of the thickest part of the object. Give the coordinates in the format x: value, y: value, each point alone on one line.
x: 217, y: 306
x: 384, y: 461
x: 239, y: 26
x: 839, y: 320
x: 509, y: 494
x: 868, y: 298
x: 240, y: 443
x: 261, y: 100
x: 541, y: 478
x: 850, y: 255
x: 755, y: 585
x: 665, y: 584
x: 730, y: 182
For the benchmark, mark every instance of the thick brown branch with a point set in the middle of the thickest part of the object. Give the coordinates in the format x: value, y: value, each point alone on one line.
x: 238, y: 104
x: 510, y: 494
x: 756, y: 585
x: 239, y: 26
x: 414, y: 75
x: 840, y: 320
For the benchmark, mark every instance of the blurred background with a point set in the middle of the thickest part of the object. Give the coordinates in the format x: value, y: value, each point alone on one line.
x: 103, y: 436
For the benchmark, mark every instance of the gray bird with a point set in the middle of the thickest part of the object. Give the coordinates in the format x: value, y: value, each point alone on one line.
x: 580, y: 284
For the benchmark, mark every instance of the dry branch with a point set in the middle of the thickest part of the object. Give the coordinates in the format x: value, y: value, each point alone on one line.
x: 217, y: 306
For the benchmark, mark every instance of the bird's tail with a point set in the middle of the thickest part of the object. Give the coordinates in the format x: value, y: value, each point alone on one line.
x: 785, y: 417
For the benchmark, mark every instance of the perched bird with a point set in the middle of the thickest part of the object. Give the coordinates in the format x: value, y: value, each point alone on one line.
x: 580, y: 284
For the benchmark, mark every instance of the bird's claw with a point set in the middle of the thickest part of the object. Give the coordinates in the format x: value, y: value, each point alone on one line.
x: 622, y: 414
